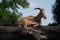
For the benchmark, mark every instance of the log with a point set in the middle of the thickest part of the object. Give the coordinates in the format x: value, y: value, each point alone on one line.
x: 52, y: 28
x: 9, y: 29
x: 39, y: 33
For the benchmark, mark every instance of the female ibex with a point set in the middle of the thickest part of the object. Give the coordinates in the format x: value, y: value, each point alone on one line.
x: 31, y: 20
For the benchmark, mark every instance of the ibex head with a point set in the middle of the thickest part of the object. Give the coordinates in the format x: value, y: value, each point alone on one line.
x: 42, y: 13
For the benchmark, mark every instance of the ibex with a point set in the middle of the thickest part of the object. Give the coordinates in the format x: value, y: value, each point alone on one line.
x: 31, y: 20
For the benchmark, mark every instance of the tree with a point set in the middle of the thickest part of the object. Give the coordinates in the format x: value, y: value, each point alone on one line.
x: 56, y: 12
x: 7, y: 16
x: 13, y: 4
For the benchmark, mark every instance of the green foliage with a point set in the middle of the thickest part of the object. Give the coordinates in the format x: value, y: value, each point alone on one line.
x: 8, y: 18
x: 56, y: 12
x: 13, y: 4
x: 52, y: 24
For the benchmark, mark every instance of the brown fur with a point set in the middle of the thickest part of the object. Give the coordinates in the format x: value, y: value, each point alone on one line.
x: 31, y: 20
